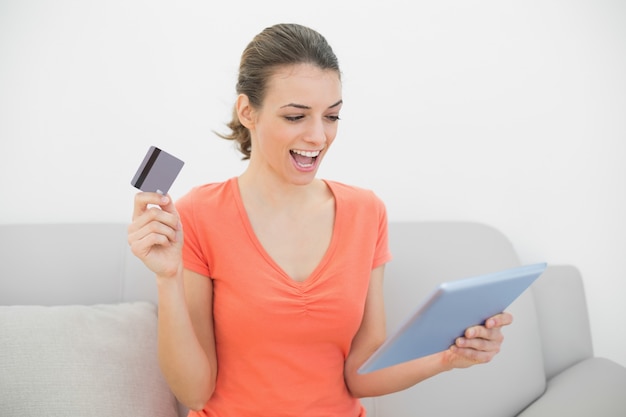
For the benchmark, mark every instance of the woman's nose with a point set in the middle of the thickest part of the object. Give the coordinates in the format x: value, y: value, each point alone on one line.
x: 316, y: 133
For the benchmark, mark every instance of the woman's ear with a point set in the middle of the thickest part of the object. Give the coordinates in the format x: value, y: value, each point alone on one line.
x: 245, y: 112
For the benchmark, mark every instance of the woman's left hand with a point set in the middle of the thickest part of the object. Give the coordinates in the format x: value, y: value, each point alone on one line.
x: 480, y: 344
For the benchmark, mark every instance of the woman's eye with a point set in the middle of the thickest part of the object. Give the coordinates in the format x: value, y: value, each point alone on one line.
x: 332, y: 118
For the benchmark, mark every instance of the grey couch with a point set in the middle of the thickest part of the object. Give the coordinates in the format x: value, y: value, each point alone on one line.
x: 78, y: 329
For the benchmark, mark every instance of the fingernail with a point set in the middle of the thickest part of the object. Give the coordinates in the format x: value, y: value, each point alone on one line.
x: 164, y: 200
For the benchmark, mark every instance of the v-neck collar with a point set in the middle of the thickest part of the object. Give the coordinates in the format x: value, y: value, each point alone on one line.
x: 247, y: 224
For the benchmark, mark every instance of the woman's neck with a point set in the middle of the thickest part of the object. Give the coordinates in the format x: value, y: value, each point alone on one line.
x: 277, y: 194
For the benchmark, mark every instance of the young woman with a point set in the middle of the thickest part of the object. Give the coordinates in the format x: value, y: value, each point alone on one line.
x: 274, y: 297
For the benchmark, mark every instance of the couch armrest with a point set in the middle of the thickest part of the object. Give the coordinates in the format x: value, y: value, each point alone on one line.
x: 563, y: 319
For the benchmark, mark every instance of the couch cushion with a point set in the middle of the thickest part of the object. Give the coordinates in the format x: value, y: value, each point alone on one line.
x: 77, y: 360
x: 593, y: 387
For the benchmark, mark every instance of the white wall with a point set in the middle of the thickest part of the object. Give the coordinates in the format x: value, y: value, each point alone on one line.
x: 509, y: 114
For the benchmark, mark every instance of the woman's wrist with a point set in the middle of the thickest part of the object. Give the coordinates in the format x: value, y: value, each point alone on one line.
x: 173, y: 274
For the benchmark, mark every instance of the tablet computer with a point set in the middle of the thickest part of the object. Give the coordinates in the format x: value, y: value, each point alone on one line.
x: 451, y: 308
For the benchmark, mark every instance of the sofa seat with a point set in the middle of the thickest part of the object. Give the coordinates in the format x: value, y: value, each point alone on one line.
x: 593, y: 387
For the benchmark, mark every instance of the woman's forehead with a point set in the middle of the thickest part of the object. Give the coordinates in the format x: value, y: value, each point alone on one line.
x: 304, y: 83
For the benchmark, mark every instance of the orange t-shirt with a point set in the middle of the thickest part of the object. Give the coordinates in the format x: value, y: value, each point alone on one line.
x: 282, y: 344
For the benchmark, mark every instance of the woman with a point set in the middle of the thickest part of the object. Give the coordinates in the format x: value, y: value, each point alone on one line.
x: 275, y: 296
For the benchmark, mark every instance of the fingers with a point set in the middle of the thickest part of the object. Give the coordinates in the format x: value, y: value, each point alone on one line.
x: 154, y: 207
x: 491, y: 328
x: 144, y: 200
x: 159, y: 230
x: 481, y: 339
x: 155, y: 220
x: 499, y: 320
x: 467, y: 357
x: 480, y: 344
x: 478, y: 350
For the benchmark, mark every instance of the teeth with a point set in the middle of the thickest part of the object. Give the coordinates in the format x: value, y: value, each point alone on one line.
x: 310, y: 154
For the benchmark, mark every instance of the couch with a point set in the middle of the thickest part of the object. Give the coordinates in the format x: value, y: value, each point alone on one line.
x: 78, y: 329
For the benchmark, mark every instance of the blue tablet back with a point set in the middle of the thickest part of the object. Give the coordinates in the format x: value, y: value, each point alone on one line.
x: 450, y: 309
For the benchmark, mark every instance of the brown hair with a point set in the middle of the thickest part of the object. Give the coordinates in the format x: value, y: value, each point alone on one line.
x: 275, y: 46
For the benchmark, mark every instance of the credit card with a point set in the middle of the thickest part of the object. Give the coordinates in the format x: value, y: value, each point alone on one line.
x: 157, y: 172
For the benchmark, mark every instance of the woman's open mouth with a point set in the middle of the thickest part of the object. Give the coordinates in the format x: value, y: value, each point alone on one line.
x: 305, y: 159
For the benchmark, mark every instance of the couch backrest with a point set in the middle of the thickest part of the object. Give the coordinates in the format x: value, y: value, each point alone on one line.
x: 57, y: 264
x: 426, y: 254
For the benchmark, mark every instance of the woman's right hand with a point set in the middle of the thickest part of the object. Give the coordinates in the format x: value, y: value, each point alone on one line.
x: 155, y: 235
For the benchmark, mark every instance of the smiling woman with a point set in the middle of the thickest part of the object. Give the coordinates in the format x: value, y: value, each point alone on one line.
x: 283, y: 45
x: 287, y: 140
x: 276, y: 286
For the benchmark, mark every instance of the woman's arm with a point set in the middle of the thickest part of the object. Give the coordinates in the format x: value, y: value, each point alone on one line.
x: 480, y: 345
x: 186, y: 341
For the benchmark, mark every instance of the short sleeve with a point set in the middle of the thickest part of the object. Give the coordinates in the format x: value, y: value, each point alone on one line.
x: 194, y: 257
x: 382, y: 253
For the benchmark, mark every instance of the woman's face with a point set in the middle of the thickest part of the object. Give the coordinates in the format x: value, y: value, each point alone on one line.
x: 297, y: 122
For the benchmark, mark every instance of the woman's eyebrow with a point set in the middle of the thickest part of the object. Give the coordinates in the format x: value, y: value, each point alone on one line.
x: 297, y: 106
x: 336, y: 104
x: 304, y: 107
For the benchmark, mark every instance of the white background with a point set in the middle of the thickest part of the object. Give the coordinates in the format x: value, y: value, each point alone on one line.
x: 507, y: 113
